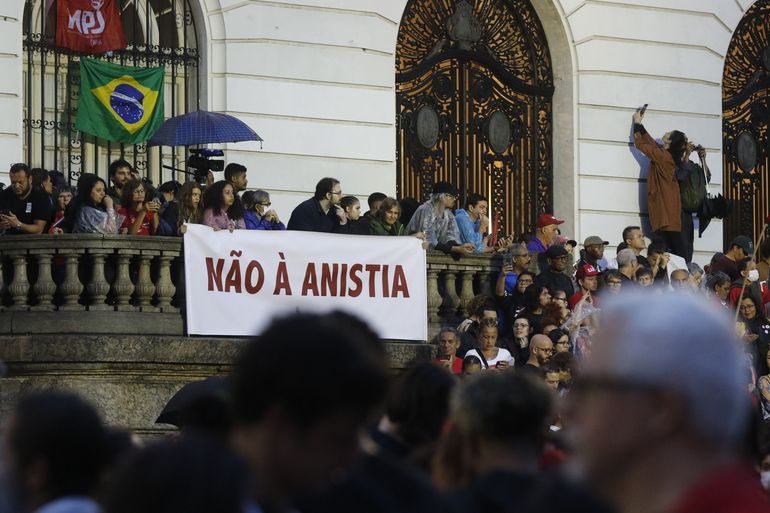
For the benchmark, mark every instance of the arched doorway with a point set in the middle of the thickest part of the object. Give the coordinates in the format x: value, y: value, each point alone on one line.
x: 746, y: 114
x: 158, y: 33
x: 474, y: 92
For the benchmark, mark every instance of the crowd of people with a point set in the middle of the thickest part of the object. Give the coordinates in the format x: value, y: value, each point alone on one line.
x: 656, y: 417
x: 635, y: 383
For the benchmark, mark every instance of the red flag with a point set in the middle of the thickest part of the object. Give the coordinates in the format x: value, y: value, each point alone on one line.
x: 89, y: 26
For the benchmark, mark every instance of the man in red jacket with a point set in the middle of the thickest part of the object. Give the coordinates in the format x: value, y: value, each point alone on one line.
x: 661, y: 409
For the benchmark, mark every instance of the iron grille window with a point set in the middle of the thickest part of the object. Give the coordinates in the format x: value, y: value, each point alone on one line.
x: 158, y: 33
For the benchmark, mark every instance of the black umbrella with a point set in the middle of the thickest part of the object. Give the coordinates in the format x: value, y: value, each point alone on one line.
x: 712, y: 207
x: 204, y: 404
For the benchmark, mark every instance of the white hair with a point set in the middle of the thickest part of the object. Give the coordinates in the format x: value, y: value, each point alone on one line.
x: 626, y: 257
x: 686, y: 344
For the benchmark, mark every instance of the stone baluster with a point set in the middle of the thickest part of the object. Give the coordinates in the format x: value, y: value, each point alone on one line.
x: 145, y: 289
x: 44, y: 287
x: 434, y: 298
x: 19, y: 286
x: 98, y: 287
x: 451, y: 299
x: 123, y: 287
x: 164, y: 287
x: 72, y: 287
x: 485, y: 282
x: 466, y: 290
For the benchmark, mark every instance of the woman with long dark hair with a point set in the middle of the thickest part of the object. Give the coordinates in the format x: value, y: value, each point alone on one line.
x: 92, y: 209
x: 185, y: 209
x: 141, y: 216
x: 756, y: 332
x: 663, y: 200
x: 223, y: 210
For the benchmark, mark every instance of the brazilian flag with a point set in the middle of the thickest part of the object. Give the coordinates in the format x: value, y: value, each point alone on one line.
x: 119, y: 103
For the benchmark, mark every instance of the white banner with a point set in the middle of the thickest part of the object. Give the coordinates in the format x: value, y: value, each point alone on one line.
x: 236, y: 283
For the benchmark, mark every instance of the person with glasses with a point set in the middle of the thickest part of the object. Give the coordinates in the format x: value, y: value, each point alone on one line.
x: 257, y: 212
x: 435, y: 219
x: 756, y: 332
x: 513, y: 266
x: 553, y: 276
x: 322, y: 212
x: 613, y: 282
x: 652, y: 435
x: 540, y: 352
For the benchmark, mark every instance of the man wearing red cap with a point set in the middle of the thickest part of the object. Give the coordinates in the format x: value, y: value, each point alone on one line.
x: 587, y: 280
x: 545, y: 234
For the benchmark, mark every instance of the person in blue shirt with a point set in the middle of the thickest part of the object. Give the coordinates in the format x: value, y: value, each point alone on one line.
x: 473, y: 223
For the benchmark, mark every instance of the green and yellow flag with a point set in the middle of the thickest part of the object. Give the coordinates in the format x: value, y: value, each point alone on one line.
x: 119, y: 103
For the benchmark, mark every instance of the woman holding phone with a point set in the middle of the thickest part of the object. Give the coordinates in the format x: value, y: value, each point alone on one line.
x: 141, y: 216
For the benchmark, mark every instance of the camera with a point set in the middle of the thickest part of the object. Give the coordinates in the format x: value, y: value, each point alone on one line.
x: 201, y: 161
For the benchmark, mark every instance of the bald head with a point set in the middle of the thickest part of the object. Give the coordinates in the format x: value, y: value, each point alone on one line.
x: 540, y: 350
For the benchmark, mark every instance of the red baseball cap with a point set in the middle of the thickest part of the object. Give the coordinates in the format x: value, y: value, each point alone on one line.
x: 587, y: 270
x: 547, y: 220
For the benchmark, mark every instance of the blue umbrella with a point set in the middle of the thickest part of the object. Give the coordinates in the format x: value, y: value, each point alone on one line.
x: 202, y: 127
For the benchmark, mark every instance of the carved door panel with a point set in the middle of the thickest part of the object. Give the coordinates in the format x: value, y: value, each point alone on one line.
x: 474, y: 95
x: 746, y: 113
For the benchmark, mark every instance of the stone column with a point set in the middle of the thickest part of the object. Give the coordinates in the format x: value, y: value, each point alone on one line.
x: 44, y: 287
x: 72, y: 287
x: 19, y: 287
x: 466, y: 290
x: 451, y: 299
x: 145, y: 289
x: 98, y: 288
x: 164, y: 287
x: 123, y: 287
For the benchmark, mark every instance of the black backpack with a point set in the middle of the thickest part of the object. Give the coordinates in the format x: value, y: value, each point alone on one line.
x: 692, y: 186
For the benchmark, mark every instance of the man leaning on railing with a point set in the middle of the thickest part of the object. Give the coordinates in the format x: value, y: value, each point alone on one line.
x: 23, y: 210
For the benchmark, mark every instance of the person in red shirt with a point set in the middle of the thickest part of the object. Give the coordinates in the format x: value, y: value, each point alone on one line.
x: 660, y: 427
x: 140, y: 215
x: 748, y: 284
x: 588, y: 281
x: 448, y: 342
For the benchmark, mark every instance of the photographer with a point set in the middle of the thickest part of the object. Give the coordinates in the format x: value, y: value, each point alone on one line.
x: 664, y: 203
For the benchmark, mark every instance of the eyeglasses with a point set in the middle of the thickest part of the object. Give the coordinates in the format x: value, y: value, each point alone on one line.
x: 546, y: 351
x: 265, y: 204
x: 748, y: 307
x: 525, y: 281
x: 339, y: 193
x: 562, y: 257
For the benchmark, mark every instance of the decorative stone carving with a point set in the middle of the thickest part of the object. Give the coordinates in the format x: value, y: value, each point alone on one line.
x: 98, y: 287
x: 462, y: 27
x: 746, y: 151
x: 71, y: 288
x: 427, y: 126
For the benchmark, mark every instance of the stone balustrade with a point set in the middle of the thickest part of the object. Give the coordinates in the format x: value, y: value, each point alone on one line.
x: 135, y: 285
x: 91, y: 283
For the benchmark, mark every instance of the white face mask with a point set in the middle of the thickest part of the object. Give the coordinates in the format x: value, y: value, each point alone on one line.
x: 753, y: 275
x: 765, y: 478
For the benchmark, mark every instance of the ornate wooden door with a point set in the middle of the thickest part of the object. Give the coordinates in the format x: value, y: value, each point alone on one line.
x: 746, y: 113
x: 474, y: 89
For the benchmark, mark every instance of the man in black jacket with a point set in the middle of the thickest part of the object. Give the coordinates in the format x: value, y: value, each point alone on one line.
x: 322, y: 212
x: 553, y: 277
